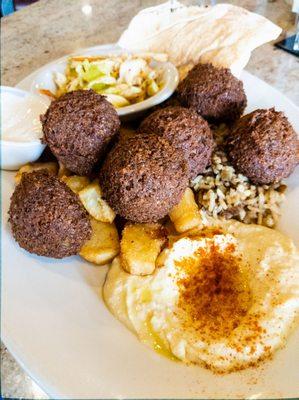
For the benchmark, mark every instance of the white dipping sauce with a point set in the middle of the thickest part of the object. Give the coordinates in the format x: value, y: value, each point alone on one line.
x: 20, y: 116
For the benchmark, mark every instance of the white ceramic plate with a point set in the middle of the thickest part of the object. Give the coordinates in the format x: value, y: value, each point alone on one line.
x: 55, y: 322
x: 43, y: 78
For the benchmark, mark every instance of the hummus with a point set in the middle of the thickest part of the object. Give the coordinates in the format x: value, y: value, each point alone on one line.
x: 223, y: 298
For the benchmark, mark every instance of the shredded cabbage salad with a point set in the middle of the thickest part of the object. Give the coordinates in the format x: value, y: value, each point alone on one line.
x: 124, y: 80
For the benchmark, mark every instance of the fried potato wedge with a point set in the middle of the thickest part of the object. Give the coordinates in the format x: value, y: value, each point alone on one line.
x: 103, y: 245
x: 186, y: 214
x: 140, y: 246
x: 30, y: 167
x: 75, y: 182
x: 97, y: 207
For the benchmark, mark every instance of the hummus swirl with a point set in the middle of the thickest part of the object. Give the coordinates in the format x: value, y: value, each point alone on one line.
x: 224, y: 299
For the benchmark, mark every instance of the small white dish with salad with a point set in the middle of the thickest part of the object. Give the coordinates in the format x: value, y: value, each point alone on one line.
x: 131, y: 82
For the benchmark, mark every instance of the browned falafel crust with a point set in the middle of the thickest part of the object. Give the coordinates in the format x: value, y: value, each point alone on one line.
x: 143, y: 177
x: 187, y: 131
x: 78, y: 127
x: 46, y: 217
x: 263, y: 146
x: 214, y: 93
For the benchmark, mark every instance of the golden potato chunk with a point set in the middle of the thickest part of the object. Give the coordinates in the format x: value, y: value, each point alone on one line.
x: 30, y: 167
x: 140, y: 246
x: 98, y: 208
x: 186, y: 214
x: 75, y: 183
x: 103, y: 245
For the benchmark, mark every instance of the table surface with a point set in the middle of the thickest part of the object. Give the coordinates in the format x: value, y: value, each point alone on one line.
x: 50, y: 29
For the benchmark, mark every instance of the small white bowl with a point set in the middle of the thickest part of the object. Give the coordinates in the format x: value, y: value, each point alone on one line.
x: 14, y: 153
x: 43, y: 79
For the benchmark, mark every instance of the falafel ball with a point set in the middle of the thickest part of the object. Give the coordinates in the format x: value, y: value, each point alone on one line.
x: 214, y: 93
x: 143, y: 177
x: 263, y: 146
x: 187, y: 131
x: 78, y: 127
x: 46, y: 217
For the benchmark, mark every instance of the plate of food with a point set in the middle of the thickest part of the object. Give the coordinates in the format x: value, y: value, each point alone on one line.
x: 155, y: 258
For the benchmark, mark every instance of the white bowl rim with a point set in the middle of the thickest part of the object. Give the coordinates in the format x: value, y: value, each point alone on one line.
x: 25, y: 93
